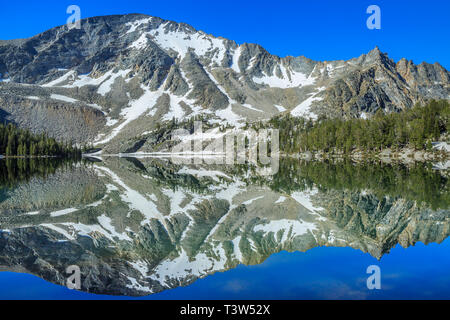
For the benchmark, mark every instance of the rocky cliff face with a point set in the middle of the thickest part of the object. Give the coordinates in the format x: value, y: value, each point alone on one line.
x: 114, y: 79
x: 38, y: 111
x: 140, y: 227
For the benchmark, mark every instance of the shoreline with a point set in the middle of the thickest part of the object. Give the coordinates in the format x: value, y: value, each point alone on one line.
x: 405, y: 155
x: 33, y: 157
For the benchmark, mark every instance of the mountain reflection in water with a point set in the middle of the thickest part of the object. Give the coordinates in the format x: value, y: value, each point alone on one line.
x: 141, y: 226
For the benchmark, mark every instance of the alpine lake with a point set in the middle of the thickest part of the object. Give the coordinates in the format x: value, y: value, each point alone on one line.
x: 148, y: 228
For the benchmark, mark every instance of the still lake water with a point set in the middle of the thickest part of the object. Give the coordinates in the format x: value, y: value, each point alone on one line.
x: 151, y: 229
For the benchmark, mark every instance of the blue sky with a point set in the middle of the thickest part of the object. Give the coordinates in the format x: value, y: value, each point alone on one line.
x: 320, y: 29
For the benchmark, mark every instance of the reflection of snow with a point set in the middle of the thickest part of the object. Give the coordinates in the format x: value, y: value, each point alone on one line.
x: 304, y: 198
x: 136, y: 286
x: 280, y: 200
x: 62, y: 212
x: 136, y: 200
x: 441, y: 165
x: 204, y: 173
x: 140, y: 266
x: 182, y: 266
x: 294, y: 227
x: 237, y: 251
x: 229, y: 192
x: 441, y: 146
x: 249, y: 202
x: 105, y: 222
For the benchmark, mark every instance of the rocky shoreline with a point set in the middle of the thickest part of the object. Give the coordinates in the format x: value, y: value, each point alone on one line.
x: 405, y: 155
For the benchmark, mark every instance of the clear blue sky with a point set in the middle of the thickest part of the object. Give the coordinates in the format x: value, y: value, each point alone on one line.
x: 319, y: 29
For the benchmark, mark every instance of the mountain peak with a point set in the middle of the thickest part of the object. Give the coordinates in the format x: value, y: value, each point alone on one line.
x: 376, y: 50
x: 376, y: 57
x: 376, y: 53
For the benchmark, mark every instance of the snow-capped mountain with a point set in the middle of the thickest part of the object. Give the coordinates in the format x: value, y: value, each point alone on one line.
x: 112, y: 81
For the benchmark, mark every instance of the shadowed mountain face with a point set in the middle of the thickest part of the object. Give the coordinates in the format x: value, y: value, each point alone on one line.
x: 112, y: 81
x: 137, y: 227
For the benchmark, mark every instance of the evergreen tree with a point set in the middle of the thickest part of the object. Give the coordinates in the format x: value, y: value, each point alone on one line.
x: 19, y: 142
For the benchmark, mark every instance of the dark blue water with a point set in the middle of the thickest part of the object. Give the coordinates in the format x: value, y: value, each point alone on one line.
x: 418, y: 272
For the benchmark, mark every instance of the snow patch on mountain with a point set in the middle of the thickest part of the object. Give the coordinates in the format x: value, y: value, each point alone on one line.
x: 229, y: 116
x: 181, y: 42
x: 69, y: 75
x: 303, y: 109
x: 105, y: 87
x: 246, y: 105
x: 135, y: 110
x: 63, y: 98
x: 235, y: 63
x: 280, y: 108
x: 291, y: 80
x: 140, y: 43
x: 134, y: 25
x: 175, y: 111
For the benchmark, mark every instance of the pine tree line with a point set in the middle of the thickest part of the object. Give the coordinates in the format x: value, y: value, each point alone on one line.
x: 15, y: 171
x: 15, y: 142
x: 415, y: 128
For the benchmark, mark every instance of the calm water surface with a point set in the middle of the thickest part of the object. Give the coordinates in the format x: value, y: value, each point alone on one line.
x: 150, y: 229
